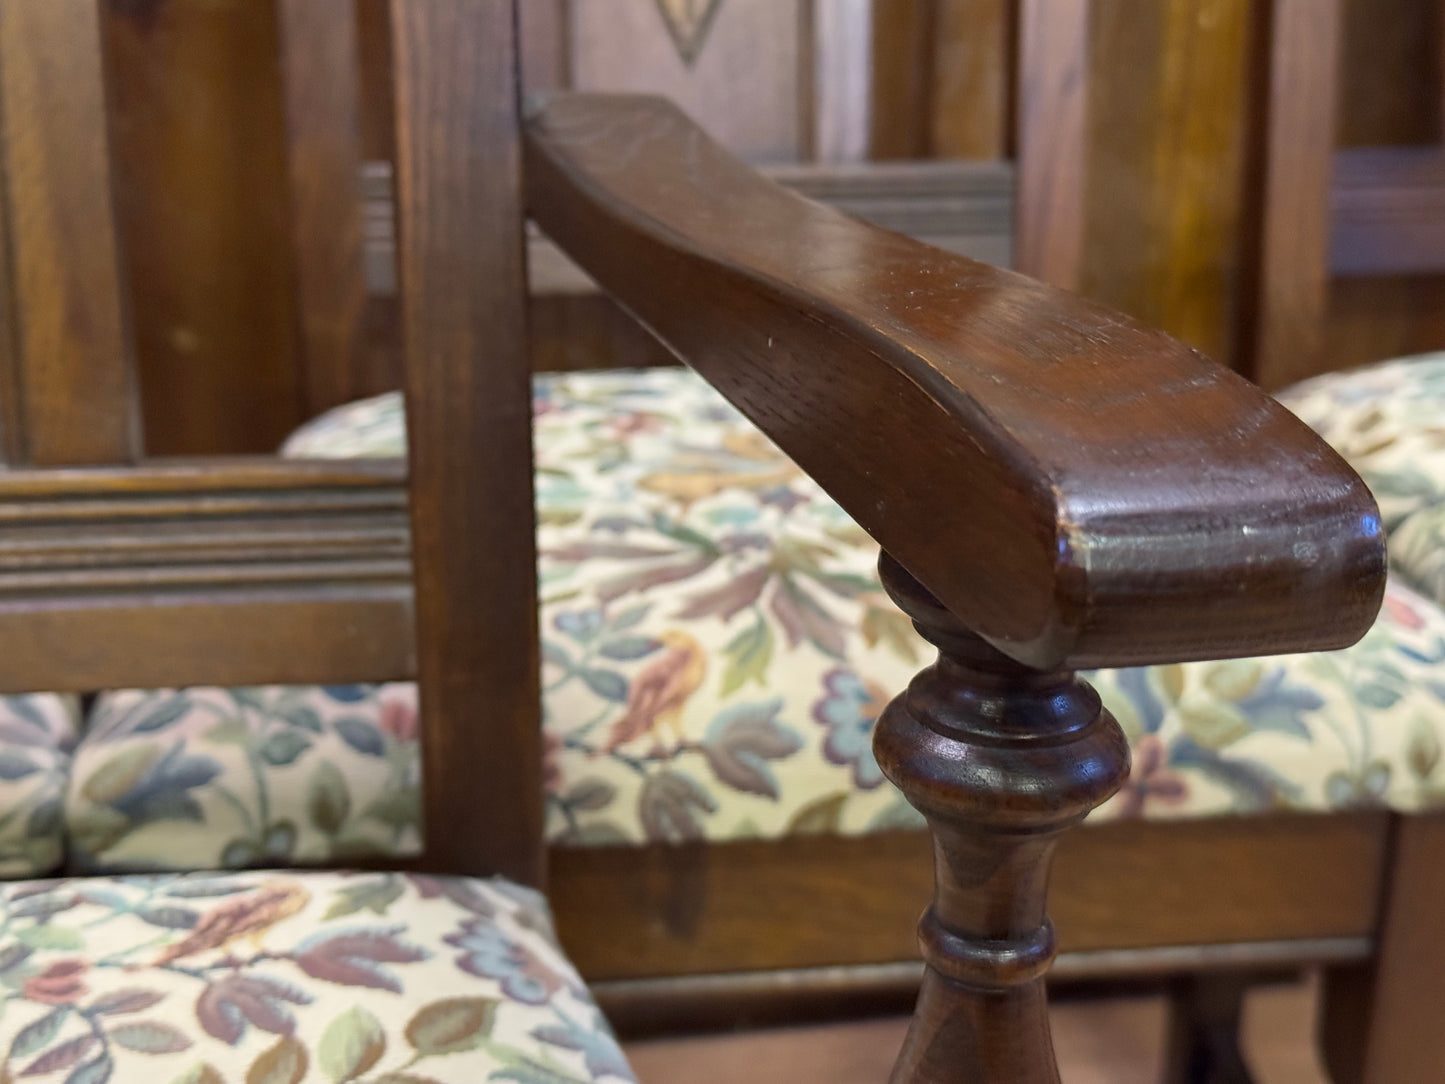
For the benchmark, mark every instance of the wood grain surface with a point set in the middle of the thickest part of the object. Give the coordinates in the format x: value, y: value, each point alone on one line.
x: 970, y: 419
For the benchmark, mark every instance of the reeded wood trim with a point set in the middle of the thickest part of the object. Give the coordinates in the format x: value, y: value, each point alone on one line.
x: 219, y: 572
x: 70, y: 350
x: 1387, y: 211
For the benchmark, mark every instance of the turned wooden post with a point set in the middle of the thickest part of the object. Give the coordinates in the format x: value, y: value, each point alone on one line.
x: 1000, y: 758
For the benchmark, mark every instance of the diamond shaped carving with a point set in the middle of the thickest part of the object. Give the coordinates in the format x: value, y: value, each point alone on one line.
x: 688, y: 21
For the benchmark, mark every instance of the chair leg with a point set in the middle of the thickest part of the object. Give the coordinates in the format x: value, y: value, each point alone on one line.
x: 1384, y: 1022
x: 1203, y: 1042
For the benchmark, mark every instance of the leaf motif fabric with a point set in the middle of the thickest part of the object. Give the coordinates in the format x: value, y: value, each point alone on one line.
x: 1388, y: 421
x: 277, y: 977
x: 716, y: 648
x: 1417, y: 551
x: 201, y: 778
x: 37, y: 736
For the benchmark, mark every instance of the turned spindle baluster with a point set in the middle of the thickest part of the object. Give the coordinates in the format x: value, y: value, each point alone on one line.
x: 1000, y: 758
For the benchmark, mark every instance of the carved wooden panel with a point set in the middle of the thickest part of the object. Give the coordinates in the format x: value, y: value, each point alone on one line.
x: 738, y: 66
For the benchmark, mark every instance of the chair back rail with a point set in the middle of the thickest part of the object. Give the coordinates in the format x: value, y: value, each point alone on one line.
x: 214, y: 572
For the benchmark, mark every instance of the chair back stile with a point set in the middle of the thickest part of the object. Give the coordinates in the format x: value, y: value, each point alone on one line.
x: 468, y: 396
x: 117, y: 571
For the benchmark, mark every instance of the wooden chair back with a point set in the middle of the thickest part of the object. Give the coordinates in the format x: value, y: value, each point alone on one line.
x: 116, y: 570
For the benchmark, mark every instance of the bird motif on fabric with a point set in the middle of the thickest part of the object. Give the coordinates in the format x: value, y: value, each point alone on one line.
x: 747, y: 460
x: 657, y: 695
x: 249, y: 915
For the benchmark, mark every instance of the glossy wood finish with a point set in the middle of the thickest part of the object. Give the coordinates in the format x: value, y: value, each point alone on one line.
x: 66, y: 363
x: 469, y: 424
x: 1052, y: 105
x: 1380, y: 1021
x: 321, y: 75
x: 1011, y: 397
x: 1000, y: 759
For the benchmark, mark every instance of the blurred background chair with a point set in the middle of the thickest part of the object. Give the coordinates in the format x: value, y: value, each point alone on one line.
x: 1167, y: 161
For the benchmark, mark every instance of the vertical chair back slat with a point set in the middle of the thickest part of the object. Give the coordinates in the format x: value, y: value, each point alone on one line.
x: 1049, y: 211
x: 321, y: 69
x: 70, y: 384
x: 468, y: 397
x: 1292, y: 264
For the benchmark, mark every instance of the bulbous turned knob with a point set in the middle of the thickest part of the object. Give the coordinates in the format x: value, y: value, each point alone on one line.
x: 1000, y: 759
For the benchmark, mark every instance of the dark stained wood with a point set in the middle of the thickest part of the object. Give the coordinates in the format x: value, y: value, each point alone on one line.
x: 736, y: 999
x: 1383, y: 317
x: 1000, y: 759
x: 1390, y: 73
x: 1380, y: 1021
x: 573, y: 332
x: 545, y: 48
x: 69, y: 358
x: 1127, y: 899
x: 220, y: 572
x: 1298, y: 146
x: 469, y: 415
x: 1053, y: 59
x: 12, y: 410
x: 321, y: 77
x: 201, y: 181
x: 965, y: 207
x: 1202, y: 1043
x: 1387, y: 211
x: 1168, y: 128
x: 1003, y: 394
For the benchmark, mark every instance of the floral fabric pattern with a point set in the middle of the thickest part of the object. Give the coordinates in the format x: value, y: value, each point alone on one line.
x: 205, y: 778
x: 1388, y: 421
x: 37, y: 734
x: 1417, y: 551
x: 282, y: 977
x: 716, y: 647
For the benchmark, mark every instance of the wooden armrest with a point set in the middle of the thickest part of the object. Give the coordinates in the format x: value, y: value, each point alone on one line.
x: 1078, y: 489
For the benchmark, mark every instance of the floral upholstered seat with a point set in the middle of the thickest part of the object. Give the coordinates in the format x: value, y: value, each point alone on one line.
x: 36, y: 737
x: 230, y: 778
x: 717, y: 646
x: 275, y: 978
